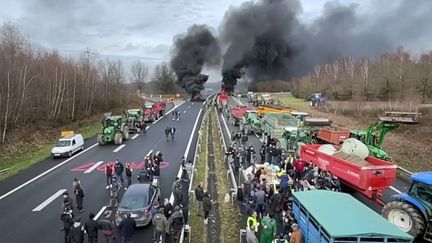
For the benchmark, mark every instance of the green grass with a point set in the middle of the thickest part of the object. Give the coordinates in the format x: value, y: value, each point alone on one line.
x: 196, y: 222
x: 17, y: 163
x: 228, y: 214
x: 293, y: 102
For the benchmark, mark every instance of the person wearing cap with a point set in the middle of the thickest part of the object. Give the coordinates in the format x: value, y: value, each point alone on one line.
x: 91, y: 226
x: 127, y: 228
x: 128, y: 171
x: 67, y: 201
x: 79, y: 196
x: 77, y: 232
x: 108, y: 174
x: 66, y: 218
x: 161, y: 226
x: 296, y: 235
x: 118, y: 169
x: 107, y: 227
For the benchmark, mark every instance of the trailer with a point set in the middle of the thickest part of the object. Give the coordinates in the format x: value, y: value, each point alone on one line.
x: 236, y: 114
x: 276, y: 124
x: 370, y: 179
x: 332, y: 135
x: 153, y: 110
x: 330, y: 217
x: 262, y: 109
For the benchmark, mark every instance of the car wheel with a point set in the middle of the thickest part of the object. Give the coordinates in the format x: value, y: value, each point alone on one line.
x: 82, y: 148
x: 70, y: 154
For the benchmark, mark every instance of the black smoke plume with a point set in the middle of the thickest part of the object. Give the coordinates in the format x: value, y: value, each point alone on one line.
x: 198, y: 47
x: 266, y: 40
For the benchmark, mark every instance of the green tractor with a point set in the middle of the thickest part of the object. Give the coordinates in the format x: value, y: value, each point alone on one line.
x: 114, y: 130
x: 135, y: 120
x: 250, y: 122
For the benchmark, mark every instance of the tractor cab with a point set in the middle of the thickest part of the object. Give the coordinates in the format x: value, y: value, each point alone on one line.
x: 421, y: 188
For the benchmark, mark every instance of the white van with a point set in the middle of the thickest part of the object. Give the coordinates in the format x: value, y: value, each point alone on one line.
x: 68, y: 144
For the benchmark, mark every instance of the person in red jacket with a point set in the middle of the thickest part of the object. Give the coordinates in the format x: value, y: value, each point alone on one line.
x: 299, y: 167
x: 108, y: 173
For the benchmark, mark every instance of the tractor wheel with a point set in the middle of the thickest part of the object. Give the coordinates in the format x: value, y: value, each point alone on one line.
x: 404, y: 216
x: 100, y: 140
x: 125, y: 132
x: 70, y: 154
x: 118, y: 138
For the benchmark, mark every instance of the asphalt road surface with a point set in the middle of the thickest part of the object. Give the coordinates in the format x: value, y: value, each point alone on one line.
x: 400, y: 185
x: 30, y: 202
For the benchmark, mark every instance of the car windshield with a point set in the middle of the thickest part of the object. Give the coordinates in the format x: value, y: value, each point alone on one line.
x: 134, y: 202
x: 63, y: 143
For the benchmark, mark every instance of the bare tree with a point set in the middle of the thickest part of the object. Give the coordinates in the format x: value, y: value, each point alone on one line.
x: 139, y: 75
x: 164, y: 78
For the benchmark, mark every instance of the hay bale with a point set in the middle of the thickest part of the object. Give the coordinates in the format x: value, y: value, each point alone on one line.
x: 351, y: 158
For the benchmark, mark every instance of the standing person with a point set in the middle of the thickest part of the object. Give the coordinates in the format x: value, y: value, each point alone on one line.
x: 176, y: 180
x: 108, y: 174
x: 296, y: 235
x: 240, y: 198
x: 176, y: 222
x: 107, y: 228
x: 156, y: 170
x: 114, y: 193
x: 263, y: 154
x: 66, y: 218
x: 144, y: 128
x: 299, y: 167
x: 79, y: 197
x: 67, y: 201
x: 77, y: 232
x: 268, y: 232
x: 127, y: 228
x: 91, y: 226
x: 189, y: 168
x: 207, y: 205
x: 168, y: 208
x: 199, y: 193
x: 160, y: 222
x: 178, y: 195
x: 275, y: 205
x: 252, y: 223
x: 128, y: 171
x: 260, y: 196
x: 118, y: 169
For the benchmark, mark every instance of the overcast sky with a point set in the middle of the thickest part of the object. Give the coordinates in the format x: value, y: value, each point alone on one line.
x: 129, y: 29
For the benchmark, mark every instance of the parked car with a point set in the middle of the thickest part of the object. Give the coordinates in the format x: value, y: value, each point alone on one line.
x: 138, y: 200
x: 68, y: 144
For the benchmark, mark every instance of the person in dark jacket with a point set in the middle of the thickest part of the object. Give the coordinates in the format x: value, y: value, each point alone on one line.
x: 240, y: 198
x: 168, y: 208
x: 108, y: 174
x: 127, y: 228
x: 206, y: 206
x: 91, y: 226
x: 160, y: 222
x: 67, y: 201
x: 263, y: 154
x: 199, y: 193
x: 107, y: 227
x: 128, y: 171
x: 284, y: 182
x: 275, y: 205
x: 118, y: 169
x: 156, y: 170
x: 66, y: 218
x: 176, y: 221
x: 79, y: 197
x: 178, y: 195
x: 77, y: 232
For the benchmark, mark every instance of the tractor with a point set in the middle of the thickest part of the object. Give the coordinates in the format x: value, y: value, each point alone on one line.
x: 250, y: 122
x: 412, y: 211
x: 135, y: 120
x: 114, y: 130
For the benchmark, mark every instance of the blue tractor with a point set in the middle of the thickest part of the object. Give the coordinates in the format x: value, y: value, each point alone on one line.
x: 412, y: 211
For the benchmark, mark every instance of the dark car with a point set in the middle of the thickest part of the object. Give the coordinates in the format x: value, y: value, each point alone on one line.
x: 137, y: 201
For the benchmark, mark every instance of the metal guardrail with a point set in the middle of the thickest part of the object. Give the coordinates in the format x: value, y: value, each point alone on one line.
x: 4, y: 171
x: 405, y: 171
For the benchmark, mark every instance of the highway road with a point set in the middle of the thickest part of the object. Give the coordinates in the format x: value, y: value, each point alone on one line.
x: 400, y: 185
x: 30, y: 202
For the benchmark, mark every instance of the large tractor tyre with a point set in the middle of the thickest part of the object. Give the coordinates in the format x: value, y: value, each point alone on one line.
x: 100, y: 140
x: 118, y: 138
x: 404, y: 216
x: 125, y: 132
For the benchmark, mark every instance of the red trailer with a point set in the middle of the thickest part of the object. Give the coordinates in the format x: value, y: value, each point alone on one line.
x: 237, y: 113
x: 153, y: 110
x: 371, y: 180
x: 333, y: 135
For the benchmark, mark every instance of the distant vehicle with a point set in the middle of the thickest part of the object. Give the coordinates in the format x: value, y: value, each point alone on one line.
x: 68, y: 144
x: 138, y: 200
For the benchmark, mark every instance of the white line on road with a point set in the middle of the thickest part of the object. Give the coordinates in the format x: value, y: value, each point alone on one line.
x: 46, y: 172
x: 100, y: 212
x: 48, y: 200
x: 184, y: 111
x: 394, y: 189
x: 238, y: 102
x: 89, y: 170
x: 259, y: 138
x: 187, y: 151
x: 149, y: 152
x: 226, y: 127
x: 188, y: 107
x: 119, y: 148
x: 136, y: 135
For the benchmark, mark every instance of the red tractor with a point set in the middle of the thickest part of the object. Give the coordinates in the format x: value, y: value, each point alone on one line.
x: 153, y: 110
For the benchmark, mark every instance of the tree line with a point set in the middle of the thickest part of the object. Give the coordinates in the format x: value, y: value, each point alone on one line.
x: 395, y: 75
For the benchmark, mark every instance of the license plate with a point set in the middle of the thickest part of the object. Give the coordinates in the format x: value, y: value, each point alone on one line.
x: 134, y: 215
x: 56, y: 154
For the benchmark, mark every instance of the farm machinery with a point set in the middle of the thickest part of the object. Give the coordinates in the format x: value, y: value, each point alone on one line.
x: 135, y: 120
x: 114, y: 129
x: 153, y: 110
x: 237, y: 113
x: 370, y: 176
x: 222, y: 100
x: 250, y: 122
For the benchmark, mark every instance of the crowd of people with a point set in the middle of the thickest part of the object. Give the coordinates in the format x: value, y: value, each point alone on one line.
x: 268, y: 206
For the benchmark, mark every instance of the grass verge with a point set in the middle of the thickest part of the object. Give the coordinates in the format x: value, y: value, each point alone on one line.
x: 195, y: 221
x: 14, y: 163
x: 230, y: 227
x: 293, y: 102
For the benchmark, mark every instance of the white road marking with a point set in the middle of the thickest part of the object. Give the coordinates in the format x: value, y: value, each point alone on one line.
x: 49, y: 200
x: 147, y: 127
x: 46, y: 172
x: 136, y: 135
x: 184, y: 111
x: 187, y: 151
x: 238, y: 102
x: 262, y: 141
x: 226, y: 127
x: 89, y: 170
x: 149, y: 152
x: 100, y: 212
x: 394, y: 189
x: 119, y: 148
x: 188, y: 107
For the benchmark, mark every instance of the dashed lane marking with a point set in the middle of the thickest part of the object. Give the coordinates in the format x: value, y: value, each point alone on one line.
x: 89, y: 170
x: 394, y: 189
x: 100, y: 212
x: 49, y: 200
x: 119, y: 148
x: 136, y: 135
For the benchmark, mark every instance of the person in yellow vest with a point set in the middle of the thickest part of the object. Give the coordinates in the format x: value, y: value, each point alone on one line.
x: 252, y: 228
